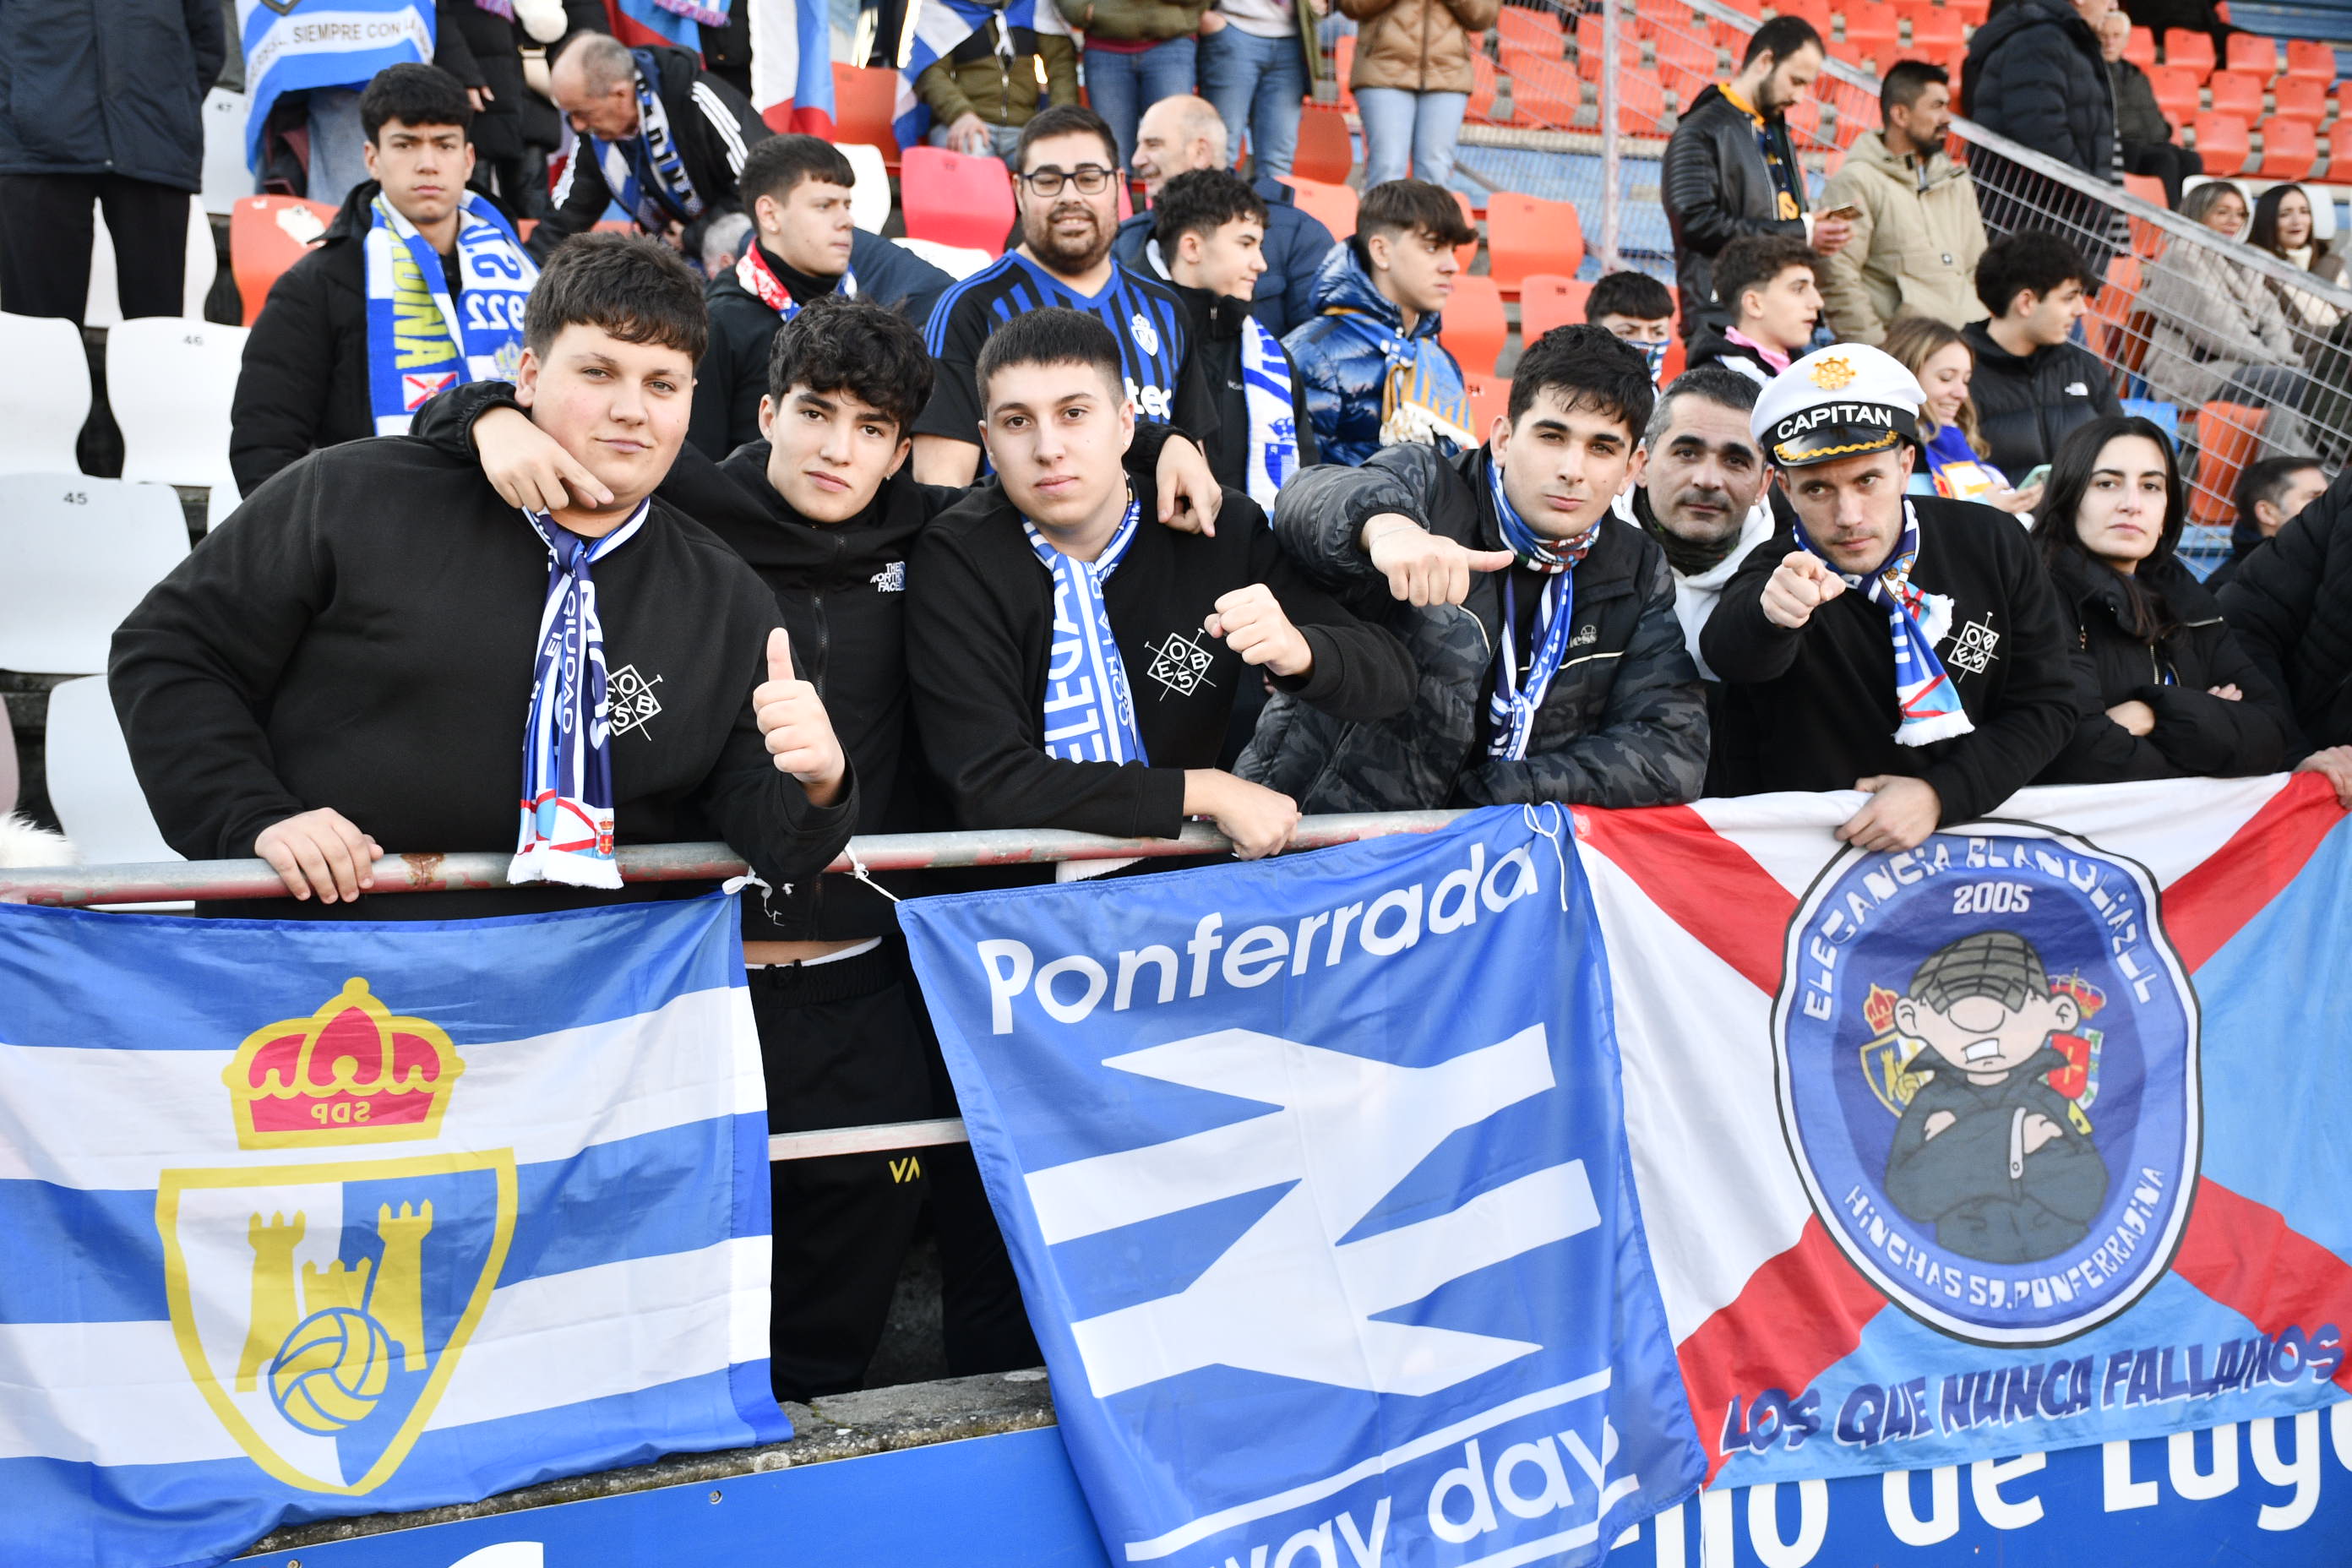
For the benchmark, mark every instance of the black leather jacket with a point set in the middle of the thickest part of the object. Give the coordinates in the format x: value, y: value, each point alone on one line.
x: 1718, y: 187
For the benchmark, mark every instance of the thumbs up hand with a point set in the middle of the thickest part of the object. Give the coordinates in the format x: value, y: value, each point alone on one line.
x: 794, y: 723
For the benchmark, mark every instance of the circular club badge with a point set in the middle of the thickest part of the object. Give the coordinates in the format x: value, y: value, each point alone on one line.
x: 1988, y: 1076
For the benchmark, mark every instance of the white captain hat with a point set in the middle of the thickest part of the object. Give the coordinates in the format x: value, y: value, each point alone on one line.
x: 1838, y: 401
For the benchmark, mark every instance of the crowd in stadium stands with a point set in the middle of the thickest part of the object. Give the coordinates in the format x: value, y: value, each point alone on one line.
x: 1184, y: 515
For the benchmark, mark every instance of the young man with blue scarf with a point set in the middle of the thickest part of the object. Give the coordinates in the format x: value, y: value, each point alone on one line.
x: 658, y: 134
x: 1551, y: 667
x: 419, y: 286
x: 1907, y: 646
x: 376, y: 651
x: 1075, y: 666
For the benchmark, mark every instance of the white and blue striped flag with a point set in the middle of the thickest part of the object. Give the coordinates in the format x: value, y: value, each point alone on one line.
x: 291, y: 45
x: 939, y: 27
x: 305, y: 1220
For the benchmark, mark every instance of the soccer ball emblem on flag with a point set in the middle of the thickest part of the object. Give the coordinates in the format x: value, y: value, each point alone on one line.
x: 321, y: 1308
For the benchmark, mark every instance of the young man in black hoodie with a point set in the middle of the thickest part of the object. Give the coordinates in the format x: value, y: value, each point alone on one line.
x: 418, y: 285
x: 1211, y: 230
x: 375, y: 649
x: 2032, y: 385
x: 1074, y: 669
x: 1907, y: 646
x: 804, y: 247
x: 823, y: 507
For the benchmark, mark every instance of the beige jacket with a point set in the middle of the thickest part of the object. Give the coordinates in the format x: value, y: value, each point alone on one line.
x: 1420, y: 46
x: 1913, y: 249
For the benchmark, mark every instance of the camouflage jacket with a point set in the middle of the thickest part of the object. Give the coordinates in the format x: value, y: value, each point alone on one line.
x: 1624, y: 722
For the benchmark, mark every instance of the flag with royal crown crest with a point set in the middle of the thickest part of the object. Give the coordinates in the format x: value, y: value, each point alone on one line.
x: 303, y: 1220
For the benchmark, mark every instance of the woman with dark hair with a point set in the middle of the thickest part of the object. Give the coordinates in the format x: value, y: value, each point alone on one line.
x: 2283, y: 225
x: 2167, y: 692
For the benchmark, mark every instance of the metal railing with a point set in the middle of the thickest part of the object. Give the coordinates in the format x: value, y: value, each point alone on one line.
x: 205, y: 881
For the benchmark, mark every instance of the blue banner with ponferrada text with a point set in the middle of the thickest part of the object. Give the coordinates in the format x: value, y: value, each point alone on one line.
x: 1316, y: 1179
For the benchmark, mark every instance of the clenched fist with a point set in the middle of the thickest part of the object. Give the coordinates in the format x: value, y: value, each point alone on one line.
x: 1252, y: 625
x: 798, y: 731
x: 1800, y: 584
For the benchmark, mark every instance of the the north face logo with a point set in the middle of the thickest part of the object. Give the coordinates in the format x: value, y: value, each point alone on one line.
x: 1347, y: 1132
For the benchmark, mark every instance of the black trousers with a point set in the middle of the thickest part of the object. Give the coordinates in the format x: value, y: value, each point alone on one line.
x: 843, y: 1045
x: 46, y: 235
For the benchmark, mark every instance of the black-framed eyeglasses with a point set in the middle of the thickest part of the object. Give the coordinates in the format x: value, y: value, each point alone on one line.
x: 1092, y: 180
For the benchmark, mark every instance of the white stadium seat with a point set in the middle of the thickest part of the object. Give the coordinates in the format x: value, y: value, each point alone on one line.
x: 92, y: 790
x: 957, y: 261
x: 169, y: 381
x: 869, y: 201
x: 225, y: 176
x: 40, y: 420
x: 105, y: 306
x: 77, y: 555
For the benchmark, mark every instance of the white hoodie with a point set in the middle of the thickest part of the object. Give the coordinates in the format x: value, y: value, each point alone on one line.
x: 1695, y: 596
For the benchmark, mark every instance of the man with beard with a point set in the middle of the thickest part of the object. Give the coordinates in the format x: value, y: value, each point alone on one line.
x: 1730, y: 168
x: 1907, y: 646
x: 1067, y: 188
x: 1699, y: 489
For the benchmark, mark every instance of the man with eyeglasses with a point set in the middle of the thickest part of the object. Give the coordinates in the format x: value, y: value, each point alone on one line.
x: 1065, y: 187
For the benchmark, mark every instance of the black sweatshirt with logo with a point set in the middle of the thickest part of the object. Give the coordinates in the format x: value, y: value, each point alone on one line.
x: 980, y: 627
x: 1814, y: 709
x: 360, y: 635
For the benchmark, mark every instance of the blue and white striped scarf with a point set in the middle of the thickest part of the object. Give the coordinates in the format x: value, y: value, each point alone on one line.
x: 1923, y: 694
x: 646, y: 173
x: 1511, y: 712
x: 419, y: 343
x: 1089, y: 708
x: 941, y: 26
x: 1273, y: 415
x: 567, y: 759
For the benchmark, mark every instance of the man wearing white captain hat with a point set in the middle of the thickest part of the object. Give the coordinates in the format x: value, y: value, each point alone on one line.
x: 1908, y: 646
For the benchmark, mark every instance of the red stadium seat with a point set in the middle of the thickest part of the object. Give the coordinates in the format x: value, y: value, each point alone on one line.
x: 1544, y: 91
x: 1686, y: 66
x: 1642, y: 105
x: 2339, y: 151
x: 1973, y: 12
x: 2223, y: 142
x: 950, y: 199
x: 1482, y: 85
x: 1490, y: 399
x: 267, y: 234
x: 1343, y: 67
x: 1665, y: 18
x: 1870, y: 28
x: 864, y: 101
x: 2110, y: 308
x: 1677, y: 358
x: 2227, y: 435
x: 2344, y: 100
x: 2146, y: 187
x: 2311, y: 58
x: 2235, y: 92
x: 1548, y: 299
x: 1333, y: 206
x: 2290, y: 148
x: 2175, y: 92
x: 2140, y: 47
x: 2253, y: 53
x: 1474, y: 329
x: 2300, y: 98
x: 1751, y: 9
x: 1524, y: 234
x: 2194, y: 50
x: 1536, y: 30
x: 1804, y: 119
x: 1937, y: 36
x: 1466, y: 254
x: 1817, y: 12
x: 1325, y: 152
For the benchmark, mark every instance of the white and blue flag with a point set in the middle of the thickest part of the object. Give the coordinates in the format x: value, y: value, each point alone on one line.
x: 301, y: 1220
x: 1316, y: 1178
x: 292, y: 45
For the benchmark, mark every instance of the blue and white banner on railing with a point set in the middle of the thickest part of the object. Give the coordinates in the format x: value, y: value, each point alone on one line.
x: 291, y: 45
x: 1316, y: 1178
x: 302, y: 1220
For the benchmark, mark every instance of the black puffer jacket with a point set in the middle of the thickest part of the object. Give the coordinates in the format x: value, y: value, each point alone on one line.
x: 2034, y: 74
x: 2291, y: 605
x: 1623, y: 724
x: 2027, y: 404
x: 1718, y: 187
x: 108, y: 87
x: 2197, y: 735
